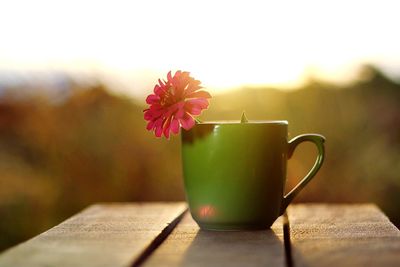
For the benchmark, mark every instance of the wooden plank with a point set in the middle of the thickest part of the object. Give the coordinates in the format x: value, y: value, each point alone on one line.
x: 189, y: 246
x: 101, y: 235
x: 342, y: 235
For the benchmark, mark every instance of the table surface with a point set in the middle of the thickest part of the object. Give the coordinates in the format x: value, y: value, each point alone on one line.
x: 164, y: 234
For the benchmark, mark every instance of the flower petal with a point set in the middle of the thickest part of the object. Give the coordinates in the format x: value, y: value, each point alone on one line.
x: 201, y: 102
x: 169, y: 76
x: 187, y: 122
x: 150, y: 125
x: 151, y: 99
x: 159, y: 90
x: 166, y: 127
x: 175, y: 126
x: 158, y: 131
x: 183, y: 80
x: 158, y: 127
x: 153, y: 112
x: 193, y: 86
x: 148, y: 115
x: 195, y: 106
x: 180, y: 110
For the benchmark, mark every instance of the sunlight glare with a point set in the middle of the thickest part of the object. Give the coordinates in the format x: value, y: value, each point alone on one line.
x: 223, y: 43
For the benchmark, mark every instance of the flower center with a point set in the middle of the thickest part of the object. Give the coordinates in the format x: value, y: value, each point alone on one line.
x: 169, y: 98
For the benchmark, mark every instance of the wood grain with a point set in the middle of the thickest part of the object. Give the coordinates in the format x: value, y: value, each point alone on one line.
x: 128, y: 234
x: 342, y: 235
x: 101, y: 235
x: 189, y: 246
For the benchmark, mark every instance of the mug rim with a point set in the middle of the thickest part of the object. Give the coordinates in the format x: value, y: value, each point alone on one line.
x: 250, y: 122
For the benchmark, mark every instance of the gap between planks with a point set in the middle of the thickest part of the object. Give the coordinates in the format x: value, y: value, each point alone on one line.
x: 158, y: 240
x: 286, y: 240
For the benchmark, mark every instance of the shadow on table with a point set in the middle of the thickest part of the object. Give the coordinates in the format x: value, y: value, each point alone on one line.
x: 245, y: 248
x: 293, y: 256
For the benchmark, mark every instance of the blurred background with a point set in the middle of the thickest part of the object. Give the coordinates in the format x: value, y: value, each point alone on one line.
x: 74, y: 76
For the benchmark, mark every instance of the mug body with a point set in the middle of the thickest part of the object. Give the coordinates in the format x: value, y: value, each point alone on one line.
x: 234, y: 173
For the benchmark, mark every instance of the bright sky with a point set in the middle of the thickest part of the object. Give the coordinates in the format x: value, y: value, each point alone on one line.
x: 223, y: 43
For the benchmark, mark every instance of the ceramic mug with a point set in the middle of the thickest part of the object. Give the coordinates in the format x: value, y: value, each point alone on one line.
x: 235, y: 173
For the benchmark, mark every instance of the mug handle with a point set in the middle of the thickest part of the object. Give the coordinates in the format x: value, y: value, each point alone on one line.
x: 318, y: 140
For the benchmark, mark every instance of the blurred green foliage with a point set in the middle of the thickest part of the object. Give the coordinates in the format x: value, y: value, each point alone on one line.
x: 57, y: 158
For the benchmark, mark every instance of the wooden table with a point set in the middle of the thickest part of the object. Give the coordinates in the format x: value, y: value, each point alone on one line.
x: 164, y: 234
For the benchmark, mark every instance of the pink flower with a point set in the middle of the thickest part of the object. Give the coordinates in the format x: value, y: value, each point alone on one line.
x: 174, y: 103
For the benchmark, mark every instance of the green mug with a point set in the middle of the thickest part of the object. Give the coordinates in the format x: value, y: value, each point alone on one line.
x: 235, y: 173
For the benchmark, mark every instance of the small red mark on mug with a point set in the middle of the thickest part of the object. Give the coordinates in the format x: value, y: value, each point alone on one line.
x: 206, y: 211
